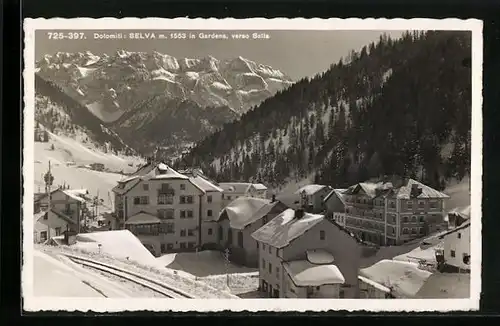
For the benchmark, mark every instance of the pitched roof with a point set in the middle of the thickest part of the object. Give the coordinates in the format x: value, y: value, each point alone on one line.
x: 303, y: 273
x: 74, y: 195
x: 38, y: 215
x: 427, y: 192
x: 310, y: 189
x: 463, y: 211
x: 237, y: 187
x: 284, y: 228
x: 259, y: 186
x: 125, y: 186
x: 166, y: 172
x: 339, y: 193
x: 242, y: 211
x: 404, y: 278
x: 465, y: 225
x: 374, y: 284
x: 143, y: 218
x: 63, y: 216
x: 205, y: 184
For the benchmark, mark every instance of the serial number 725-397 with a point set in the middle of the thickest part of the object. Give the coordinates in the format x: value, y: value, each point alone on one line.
x: 66, y: 36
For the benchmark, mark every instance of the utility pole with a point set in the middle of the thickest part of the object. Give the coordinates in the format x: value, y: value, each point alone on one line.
x: 226, y: 261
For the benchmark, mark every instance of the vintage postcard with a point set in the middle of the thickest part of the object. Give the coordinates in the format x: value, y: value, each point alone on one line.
x: 252, y: 165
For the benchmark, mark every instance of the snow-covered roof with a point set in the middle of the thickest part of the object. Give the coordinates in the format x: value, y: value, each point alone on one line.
x: 241, y: 210
x: 205, y: 185
x: 237, y: 187
x: 377, y: 189
x: 125, y: 186
x: 427, y: 192
x: 339, y: 193
x: 319, y: 257
x: 290, y: 200
x: 259, y: 186
x: 445, y: 286
x: 303, y: 273
x: 463, y: 211
x: 166, y: 172
x: 404, y: 278
x: 465, y: 225
x: 426, y: 254
x: 76, y: 194
x: 374, y: 284
x: 143, y: 218
x: 284, y: 228
x: 310, y: 189
x: 39, y: 215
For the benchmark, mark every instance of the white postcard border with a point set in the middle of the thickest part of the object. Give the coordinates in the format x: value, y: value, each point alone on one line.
x: 32, y: 303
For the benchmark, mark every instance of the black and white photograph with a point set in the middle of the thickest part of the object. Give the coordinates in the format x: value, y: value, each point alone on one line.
x: 252, y: 159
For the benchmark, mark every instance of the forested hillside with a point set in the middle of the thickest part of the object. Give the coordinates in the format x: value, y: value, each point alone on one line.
x: 397, y: 106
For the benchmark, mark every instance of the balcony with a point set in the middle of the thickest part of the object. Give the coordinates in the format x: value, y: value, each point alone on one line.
x: 166, y: 191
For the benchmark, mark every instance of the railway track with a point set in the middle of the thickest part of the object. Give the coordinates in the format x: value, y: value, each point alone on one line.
x: 155, y: 286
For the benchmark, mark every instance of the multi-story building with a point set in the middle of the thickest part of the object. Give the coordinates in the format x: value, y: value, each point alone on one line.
x: 166, y: 210
x: 388, y: 213
x: 314, y: 196
x: 65, y: 213
x: 239, y: 220
x: 335, y: 206
x: 233, y: 190
x: 304, y: 255
x: 455, y: 253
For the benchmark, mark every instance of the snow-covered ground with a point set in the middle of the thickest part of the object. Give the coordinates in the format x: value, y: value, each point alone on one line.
x: 67, y: 161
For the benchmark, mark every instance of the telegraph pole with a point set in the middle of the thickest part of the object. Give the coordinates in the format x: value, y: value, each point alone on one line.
x: 226, y: 261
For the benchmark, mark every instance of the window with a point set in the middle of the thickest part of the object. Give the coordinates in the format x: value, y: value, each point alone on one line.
x: 433, y: 204
x: 413, y: 231
x: 421, y: 204
x: 182, y: 199
x: 392, y: 204
x: 210, y: 231
x: 209, y: 199
x: 209, y: 213
x: 257, y: 245
x: 414, y: 218
x: 142, y: 200
x: 145, y: 187
x: 189, y: 199
x: 322, y: 235
x: 183, y: 233
x: 459, y: 235
x: 452, y: 253
x: 190, y: 232
x: 167, y: 228
x: 58, y: 231
x: 165, y: 214
x: 163, y: 248
x: 405, y: 218
x: 409, y: 204
x: 270, y: 268
x: 183, y: 186
x: 263, y: 247
x: 270, y: 248
x: 183, y: 214
x: 263, y: 263
x: 183, y: 245
x: 189, y: 214
x: 46, y: 216
x: 220, y: 233
x: 421, y: 230
x: 405, y: 230
x: 229, y: 197
x: 222, y: 196
x: 421, y: 218
x: 170, y: 246
x: 164, y: 199
x: 277, y: 272
x: 43, y: 235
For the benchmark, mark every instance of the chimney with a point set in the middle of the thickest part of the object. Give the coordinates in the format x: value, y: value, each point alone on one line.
x: 273, y: 199
x: 415, y: 190
x: 299, y: 213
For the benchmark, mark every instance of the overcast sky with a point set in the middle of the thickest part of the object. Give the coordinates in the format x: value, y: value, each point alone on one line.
x: 295, y: 53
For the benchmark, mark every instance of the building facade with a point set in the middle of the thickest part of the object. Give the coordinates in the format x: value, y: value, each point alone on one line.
x: 238, y: 221
x: 383, y: 214
x: 456, y: 249
x: 335, y: 206
x: 313, y: 196
x: 234, y: 190
x: 285, y: 247
x: 168, y: 211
